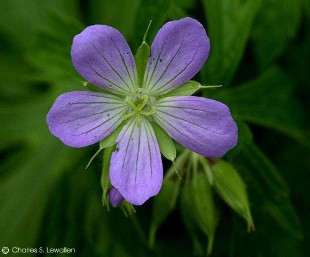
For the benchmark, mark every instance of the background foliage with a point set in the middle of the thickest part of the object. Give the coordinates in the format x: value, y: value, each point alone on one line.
x: 260, y: 53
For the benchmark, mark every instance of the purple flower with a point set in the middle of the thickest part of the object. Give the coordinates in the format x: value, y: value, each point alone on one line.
x: 102, y: 56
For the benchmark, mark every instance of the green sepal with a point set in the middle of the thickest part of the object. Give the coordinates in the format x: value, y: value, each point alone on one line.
x: 141, y: 58
x: 204, y: 208
x: 93, y: 157
x: 165, y: 142
x: 127, y: 208
x: 189, y: 220
x: 166, y: 200
x: 110, y: 140
x: 187, y: 88
x: 206, y: 168
x: 105, y: 174
x: 200, y: 163
x: 232, y: 190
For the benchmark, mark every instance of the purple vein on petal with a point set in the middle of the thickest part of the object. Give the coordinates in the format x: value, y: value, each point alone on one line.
x: 82, y: 103
x: 103, y: 95
x: 133, y: 120
x: 161, y: 122
x: 153, y: 140
x: 165, y: 70
x: 203, y: 125
x: 148, y: 80
x: 188, y: 121
x: 175, y: 77
x: 133, y: 80
x: 121, y: 113
x: 94, y: 114
x: 138, y: 154
x: 136, y: 167
x: 188, y: 108
x: 82, y: 118
x: 180, y: 48
x: 103, y: 77
x: 112, y: 68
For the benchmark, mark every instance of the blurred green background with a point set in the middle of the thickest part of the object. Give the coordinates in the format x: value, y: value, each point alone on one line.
x: 260, y: 53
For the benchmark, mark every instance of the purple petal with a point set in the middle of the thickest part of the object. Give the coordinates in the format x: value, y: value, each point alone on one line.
x: 82, y: 118
x: 136, y: 168
x: 102, y: 56
x: 178, y: 52
x: 115, y: 197
x: 202, y: 125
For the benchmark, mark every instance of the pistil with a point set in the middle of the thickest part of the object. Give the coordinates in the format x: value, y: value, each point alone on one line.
x: 138, y: 108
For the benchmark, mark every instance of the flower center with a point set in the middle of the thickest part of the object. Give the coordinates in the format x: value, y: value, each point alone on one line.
x: 140, y: 104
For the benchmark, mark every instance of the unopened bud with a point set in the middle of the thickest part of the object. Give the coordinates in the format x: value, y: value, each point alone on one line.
x: 115, y: 197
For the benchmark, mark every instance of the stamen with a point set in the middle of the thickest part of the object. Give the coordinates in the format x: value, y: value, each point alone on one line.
x: 137, y: 106
x: 150, y: 112
x: 141, y: 106
x: 132, y: 104
x: 138, y: 119
x: 128, y: 115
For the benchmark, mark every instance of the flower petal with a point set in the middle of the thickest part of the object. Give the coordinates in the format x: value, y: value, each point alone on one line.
x: 136, y: 168
x: 202, y: 125
x: 82, y: 118
x: 102, y: 56
x: 178, y: 52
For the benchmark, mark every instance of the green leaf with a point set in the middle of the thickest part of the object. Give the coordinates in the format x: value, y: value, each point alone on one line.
x: 229, y: 25
x: 116, y: 13
x: 164, y: 203
x: 55, y: 68
x: 165, y: 142
x: 275, y: 26
x: 267, y: 101
x: 20, y: 19
x: 232, y: 189
x: 148, y: 10
x: 187, y: 88
x: 271, y: 191
x: 25, y: 192
x: 16, y: 87
x: 24, y: 122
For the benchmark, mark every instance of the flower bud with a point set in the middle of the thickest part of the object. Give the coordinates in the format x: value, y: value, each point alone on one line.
x: 115, y: 197
x: 232, y: 190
